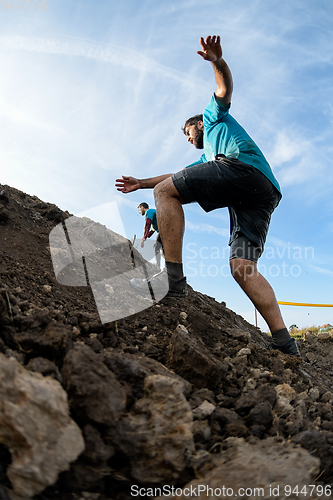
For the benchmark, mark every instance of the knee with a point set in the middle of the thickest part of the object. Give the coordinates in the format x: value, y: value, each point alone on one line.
x: 165, y: 189
x: 161, y: 188
x: 241, y: 269
x: 157, y: 191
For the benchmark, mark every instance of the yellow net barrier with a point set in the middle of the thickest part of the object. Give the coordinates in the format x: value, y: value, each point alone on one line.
x: 303, y: 304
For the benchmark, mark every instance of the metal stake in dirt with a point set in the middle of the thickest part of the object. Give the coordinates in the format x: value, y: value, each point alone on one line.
x: 131, y: 243
x: 256, y: 317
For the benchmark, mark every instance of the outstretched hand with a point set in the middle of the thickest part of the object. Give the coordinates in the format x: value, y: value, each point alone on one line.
x: 127, y: 184
x: 211, y: 48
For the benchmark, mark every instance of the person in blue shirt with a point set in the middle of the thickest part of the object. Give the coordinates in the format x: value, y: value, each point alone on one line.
x: 150, y: 228
x: 233, y: 173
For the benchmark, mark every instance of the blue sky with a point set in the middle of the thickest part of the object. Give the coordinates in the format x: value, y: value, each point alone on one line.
x: 92, y: 90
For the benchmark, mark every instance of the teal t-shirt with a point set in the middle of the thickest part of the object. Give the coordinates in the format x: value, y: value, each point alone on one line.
x: 224, y: 135
x: 151, y: 214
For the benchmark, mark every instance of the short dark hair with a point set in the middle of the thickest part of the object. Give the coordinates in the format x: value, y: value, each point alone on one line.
x: 144, y: 205
x: 192, y: 121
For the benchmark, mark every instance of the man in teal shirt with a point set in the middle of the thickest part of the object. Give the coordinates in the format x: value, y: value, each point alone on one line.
x: 232, y: 173
x: 151, y: 222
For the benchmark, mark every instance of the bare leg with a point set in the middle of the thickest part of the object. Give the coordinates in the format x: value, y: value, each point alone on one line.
x: 259, y: 291
x: 157, y: 253
x: 170, y: 219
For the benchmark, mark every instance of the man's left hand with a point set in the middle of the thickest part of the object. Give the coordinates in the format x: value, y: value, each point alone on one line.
x: 211, y: 48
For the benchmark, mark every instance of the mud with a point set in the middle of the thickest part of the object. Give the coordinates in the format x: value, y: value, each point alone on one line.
x: 164, y: 396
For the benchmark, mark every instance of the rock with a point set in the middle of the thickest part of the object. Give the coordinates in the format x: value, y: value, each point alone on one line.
x: 312, y: 358
x: 45, y: 367
x: 93, y: 390
x: 287, y: 376
x: 257, y: 468
x: 91, y: 468
x: 327, y: 397
x: 52, y: 342
x: 4, y: 197
x: 324, y: 336
x: 149, y: 349
x: 36, y: 427
x: 231, y: 423
x: 204, y: 410
x: 310, y: 337
x: 201, y: 395
x: 311, y: 440
x: 4, y: 215
x: 240, y: 362
x: 135, y: 368
x: 241, y: 335
x: 285, y: 394
x: 285, y: 391
x: 95, y: 345
x: 250, y: 398
x: 96, y: 451
x: 314, y: 394
x: 55, y: 214
x: 162, y: 425
x: 86, y: 495
x: 295, y: 420
x: 250, y: 384
x: 245, y: 351
x: 302, y: 396
x: 261, y: 414
x: 47, y: 289
x: 189, y: 357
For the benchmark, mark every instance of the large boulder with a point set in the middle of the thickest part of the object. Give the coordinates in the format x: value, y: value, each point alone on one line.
x: 156, y: 435
x: 93, y: 390
x: 191, y: 359
x: 265, y: 469
x: 36, y: 427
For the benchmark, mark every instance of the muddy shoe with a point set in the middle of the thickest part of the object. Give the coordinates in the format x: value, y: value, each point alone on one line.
x: 289, y: 347
x: 178, y: 288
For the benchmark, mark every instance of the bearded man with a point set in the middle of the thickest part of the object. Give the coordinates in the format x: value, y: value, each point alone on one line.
x: 232, y: 172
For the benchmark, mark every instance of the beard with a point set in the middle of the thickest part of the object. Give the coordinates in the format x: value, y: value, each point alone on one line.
x: 198, y: 139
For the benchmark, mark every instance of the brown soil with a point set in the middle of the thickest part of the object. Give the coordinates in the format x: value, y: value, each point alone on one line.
x: 41, y: 320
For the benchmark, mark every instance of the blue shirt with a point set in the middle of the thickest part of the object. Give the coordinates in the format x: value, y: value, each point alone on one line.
x: 151, y: 214
x: 224, y: 135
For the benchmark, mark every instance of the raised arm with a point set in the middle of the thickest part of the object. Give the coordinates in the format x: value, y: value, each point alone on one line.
x: 212, y: 51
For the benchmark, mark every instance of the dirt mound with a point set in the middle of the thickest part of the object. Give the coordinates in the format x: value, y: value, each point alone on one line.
x: 182, y: 393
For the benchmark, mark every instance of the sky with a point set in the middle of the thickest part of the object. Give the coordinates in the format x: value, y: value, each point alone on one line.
x: 93, y: 90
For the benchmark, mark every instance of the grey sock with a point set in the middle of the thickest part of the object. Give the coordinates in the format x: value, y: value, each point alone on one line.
x: 174, y: 270
x: 281, y: 336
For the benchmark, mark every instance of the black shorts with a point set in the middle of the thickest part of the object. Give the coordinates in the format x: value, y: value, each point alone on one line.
x: 250, y: 197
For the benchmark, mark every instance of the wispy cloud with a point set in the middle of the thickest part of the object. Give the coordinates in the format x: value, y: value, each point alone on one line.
x: 287, y: 148
x: 298, y: 160
x: 276, y: 241
x: 322, y: 270
x: 206, y: 228
x: 98, y: 51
